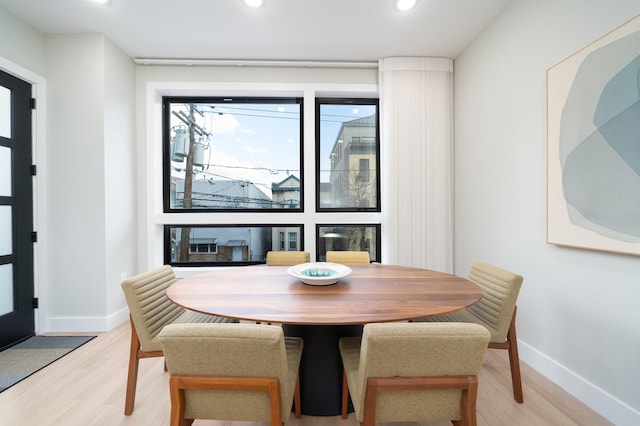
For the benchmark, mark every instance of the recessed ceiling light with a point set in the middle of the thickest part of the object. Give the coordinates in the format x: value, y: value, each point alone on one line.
x: 405, y: 4
x: 254, y: 3
x: 101, y: 1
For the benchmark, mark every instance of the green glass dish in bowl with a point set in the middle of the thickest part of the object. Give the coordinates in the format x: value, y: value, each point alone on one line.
x: 319, y: 273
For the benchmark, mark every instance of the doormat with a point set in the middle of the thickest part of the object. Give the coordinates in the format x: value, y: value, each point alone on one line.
x: 22, y: 360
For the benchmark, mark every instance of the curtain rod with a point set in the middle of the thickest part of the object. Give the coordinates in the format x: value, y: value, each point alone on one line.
x: 254, y: 63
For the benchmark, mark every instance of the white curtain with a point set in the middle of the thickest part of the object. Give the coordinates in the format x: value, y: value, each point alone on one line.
x: 416, y: 102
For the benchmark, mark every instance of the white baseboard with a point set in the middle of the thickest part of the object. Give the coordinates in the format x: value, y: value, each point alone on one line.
x: 612, y: 409
x: 87, y: 324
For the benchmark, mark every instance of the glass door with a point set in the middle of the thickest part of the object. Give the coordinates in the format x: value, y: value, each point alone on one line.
x: 16, y: 212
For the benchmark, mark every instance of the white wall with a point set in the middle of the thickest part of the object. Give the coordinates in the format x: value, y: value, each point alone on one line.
x: 76, y: 179
x: 120, y: 178
x: 91, y: 188
x: 21, y: 44
x: 578, y: 309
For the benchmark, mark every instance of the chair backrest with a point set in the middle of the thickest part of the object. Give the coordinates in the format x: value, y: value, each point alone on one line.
x: 229, y: 350
x: 280, y: 258
x: 418, y: 350
x: 349, y: 257
x: 500, y: 292
x: 149, y: 306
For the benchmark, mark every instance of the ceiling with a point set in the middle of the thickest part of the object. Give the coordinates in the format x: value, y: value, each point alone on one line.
x: 280, y: 30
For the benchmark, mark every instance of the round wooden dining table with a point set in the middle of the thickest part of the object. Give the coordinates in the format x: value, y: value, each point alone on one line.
x: 323, y: 314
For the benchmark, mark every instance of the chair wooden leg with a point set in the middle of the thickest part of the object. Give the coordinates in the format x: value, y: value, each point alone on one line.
x: 132, y: 376
x: 468, y: 404
x: 370, y: 400
x: 177, y: 404
x: 514, y: 360
x: 274, y: 401
x: 345, y: 395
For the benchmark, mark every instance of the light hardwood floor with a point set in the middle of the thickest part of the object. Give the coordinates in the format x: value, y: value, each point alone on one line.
x: 87, y: 387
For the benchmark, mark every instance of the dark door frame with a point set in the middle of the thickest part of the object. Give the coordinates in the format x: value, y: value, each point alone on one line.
x: 19, y: 324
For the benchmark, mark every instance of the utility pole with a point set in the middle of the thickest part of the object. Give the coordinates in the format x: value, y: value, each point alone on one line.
x: 188, y: 183
x: 190, y: 121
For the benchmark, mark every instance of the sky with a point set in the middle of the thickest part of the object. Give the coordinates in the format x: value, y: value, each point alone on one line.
x: 261, y: 142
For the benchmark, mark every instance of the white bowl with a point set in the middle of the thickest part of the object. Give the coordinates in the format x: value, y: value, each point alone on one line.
x: 319, y: 273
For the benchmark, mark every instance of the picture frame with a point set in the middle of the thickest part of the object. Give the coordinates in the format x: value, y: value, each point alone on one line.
x: 593, y: 145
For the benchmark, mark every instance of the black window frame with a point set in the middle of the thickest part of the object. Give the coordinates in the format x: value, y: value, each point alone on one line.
x: 378, y: 243
x: 346, y: 101
x: 166, y: 149
x: 167, y: 242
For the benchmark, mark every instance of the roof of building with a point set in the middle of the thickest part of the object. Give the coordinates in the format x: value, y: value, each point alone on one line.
x: 290, y: 183
x: 368, y: 121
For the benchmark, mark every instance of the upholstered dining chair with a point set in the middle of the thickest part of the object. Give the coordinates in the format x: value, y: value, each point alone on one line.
x: 245, y: 372
x: 496, y: 310
x: 349, y: 257
x: 149, y: 311
x: 407, y: 372
x: 284, y: 258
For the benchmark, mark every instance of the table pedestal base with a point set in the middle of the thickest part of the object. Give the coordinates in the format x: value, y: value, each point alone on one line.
x: 321, y: 366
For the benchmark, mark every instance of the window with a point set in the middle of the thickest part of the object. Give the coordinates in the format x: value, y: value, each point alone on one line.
x: 199, y: 245
x: 228, y: 154
x: 232, y: 165
x: 203, y: 248
x: 293, y: 241
x: 360, y: 237
x: 363, y: 171
x: 348, y: 148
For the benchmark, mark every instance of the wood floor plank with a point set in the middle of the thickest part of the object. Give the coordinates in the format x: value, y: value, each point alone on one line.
x: 87, y: 387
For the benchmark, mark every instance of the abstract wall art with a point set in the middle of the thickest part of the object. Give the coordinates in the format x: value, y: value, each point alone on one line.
x: 593, y: 145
